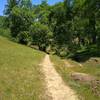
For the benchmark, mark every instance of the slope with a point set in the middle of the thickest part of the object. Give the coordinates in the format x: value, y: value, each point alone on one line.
x: 20, y: 75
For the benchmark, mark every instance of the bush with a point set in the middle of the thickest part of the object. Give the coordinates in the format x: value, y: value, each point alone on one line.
x: 5, y: 32
x: 24, y: 38
x: 40, y: 35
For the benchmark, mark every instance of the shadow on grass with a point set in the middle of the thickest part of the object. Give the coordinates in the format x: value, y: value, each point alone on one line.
x: 85, y: 55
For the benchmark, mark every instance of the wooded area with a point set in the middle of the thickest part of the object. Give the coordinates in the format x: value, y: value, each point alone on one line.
x: 68, y: 29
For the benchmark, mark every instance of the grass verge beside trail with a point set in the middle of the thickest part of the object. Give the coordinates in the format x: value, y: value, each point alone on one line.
x: 20, y: 75
x: 83, y: 90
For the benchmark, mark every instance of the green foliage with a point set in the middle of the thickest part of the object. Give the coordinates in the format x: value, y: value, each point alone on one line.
x: 24, y: 38
x: 41, y: 12
x: 44, y: 3
x: 26, y: 3
x: 40, y: 34
x: 2, y: 19
x: 5, y: 32
x: 9, y: 6
x: 65, y: 28
x: 68, y: 29
x: 21, y: 20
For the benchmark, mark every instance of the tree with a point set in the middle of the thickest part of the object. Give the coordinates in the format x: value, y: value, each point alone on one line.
x: 91, y: 8
x: 44, y: 3
x: 22, y: 18
x: 67, y: 26
x: 42, y: 12
x: 40, y: 35
x: 10, y: 5
x: 79, y: 23
x: 26, y: 3
x: 24, y: 37
x: 8, y: 11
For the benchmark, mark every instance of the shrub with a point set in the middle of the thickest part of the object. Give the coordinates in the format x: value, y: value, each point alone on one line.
x: 40, y: 35
x: 24, y: 38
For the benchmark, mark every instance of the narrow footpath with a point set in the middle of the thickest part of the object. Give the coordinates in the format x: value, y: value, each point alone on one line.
x: 54, y: 83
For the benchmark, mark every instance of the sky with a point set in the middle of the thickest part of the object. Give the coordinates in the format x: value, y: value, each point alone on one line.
x: 3, y: 2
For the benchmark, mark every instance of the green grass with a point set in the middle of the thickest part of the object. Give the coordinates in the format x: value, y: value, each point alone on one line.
x: 89, y: 68
x: 83, y: 90
x: 20, y: 74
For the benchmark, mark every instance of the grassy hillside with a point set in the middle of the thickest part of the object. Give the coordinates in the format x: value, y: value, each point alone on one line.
x: 84, y: 90
x: 20, y: 76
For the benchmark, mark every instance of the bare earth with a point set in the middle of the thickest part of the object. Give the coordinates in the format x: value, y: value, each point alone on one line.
x: 54, y: 83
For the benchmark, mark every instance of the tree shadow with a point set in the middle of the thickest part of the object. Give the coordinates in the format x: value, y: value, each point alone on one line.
x: 86, y: 55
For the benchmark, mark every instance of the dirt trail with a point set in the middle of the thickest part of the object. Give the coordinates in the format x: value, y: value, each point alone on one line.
x: 54, y: 83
